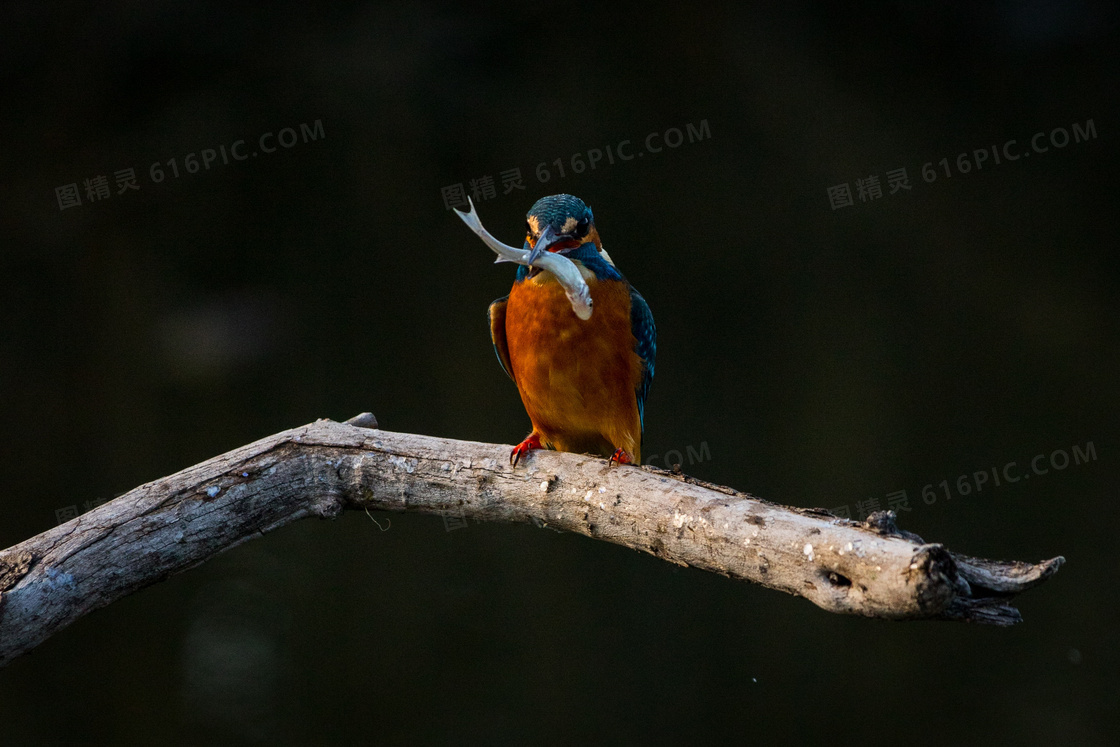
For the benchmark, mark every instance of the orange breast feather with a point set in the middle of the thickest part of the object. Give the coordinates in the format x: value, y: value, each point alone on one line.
x: 577, y: 378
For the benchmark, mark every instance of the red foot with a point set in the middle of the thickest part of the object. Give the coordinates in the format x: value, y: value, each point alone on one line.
x: 533, y: 441
x: 622, y: 456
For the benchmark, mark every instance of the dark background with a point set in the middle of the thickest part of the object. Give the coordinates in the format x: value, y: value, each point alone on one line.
x: 809, y: 355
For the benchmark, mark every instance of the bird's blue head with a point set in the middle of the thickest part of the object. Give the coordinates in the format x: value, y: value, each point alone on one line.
x: 560, y: 223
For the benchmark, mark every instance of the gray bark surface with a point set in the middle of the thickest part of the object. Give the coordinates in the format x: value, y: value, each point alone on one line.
x: 174, y: 523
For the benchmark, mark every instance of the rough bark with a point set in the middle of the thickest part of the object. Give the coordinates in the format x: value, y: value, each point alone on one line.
x: 174, y: 523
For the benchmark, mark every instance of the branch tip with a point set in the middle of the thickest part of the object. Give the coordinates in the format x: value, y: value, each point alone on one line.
x: 363, y: 420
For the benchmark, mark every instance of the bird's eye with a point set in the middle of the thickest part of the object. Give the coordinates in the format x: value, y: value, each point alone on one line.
x: 581, y: 228
x: 528, y: 228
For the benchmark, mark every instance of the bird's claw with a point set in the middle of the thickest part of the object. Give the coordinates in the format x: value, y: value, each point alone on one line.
x: 533, y: 441
x: 621, y: 456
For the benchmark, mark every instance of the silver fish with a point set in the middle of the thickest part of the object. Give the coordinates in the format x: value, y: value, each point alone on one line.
x: 562, y: 268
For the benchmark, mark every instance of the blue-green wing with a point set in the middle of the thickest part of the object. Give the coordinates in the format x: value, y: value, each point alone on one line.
x: 645, y: 332
x: 497, y: 316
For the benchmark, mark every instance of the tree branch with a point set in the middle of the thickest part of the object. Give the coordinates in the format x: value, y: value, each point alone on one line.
x: 175, y: 523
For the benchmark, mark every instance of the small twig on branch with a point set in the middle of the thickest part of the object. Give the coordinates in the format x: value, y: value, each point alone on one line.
x: 179, y: 521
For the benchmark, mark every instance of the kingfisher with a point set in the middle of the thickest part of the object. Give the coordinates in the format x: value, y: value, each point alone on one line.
x: 583, y: 383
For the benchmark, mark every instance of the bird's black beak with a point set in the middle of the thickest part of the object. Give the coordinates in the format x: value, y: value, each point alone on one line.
x: 547, y: 238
